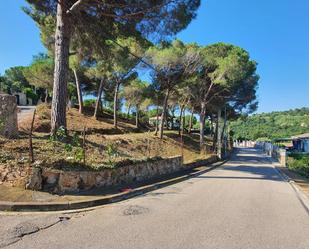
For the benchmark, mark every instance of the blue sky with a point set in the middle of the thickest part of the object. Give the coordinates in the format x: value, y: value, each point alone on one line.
x: 275, y: 32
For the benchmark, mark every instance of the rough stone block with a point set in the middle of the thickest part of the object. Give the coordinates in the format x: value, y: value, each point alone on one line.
x: 35, y: 179
x: 8, y: 116
x: 69, y: 181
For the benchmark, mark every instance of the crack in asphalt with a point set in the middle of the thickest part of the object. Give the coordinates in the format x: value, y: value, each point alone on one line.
x: 27, y: 228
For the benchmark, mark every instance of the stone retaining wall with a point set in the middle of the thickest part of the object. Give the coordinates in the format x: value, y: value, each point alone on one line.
x: 210, y: 160
x: 71, y: 181
x: 58, y: 181
x: 14, y: 176
x: 8, y: 116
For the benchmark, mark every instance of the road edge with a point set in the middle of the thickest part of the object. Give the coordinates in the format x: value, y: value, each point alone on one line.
x: 301, y: 196
x: 78, y: 206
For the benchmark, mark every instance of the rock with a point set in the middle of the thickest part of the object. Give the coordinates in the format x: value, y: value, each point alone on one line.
x: 8, y: 114
x: 74, y: 181
x: 99, y: 180
x: 35, y: 179
x: 50, y: 177
x: 69, y: 181
x: 3, y: 175
x: 88, y: 180
x: 20, y: 182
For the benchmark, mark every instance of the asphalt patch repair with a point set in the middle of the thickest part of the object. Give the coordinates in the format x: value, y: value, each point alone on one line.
x: 135, y: 210
x: 22, y: 229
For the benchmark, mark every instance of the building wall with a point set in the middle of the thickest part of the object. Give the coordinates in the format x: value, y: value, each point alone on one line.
x: 305, y: 143
x: 301, y: 145
x: 22, y: 99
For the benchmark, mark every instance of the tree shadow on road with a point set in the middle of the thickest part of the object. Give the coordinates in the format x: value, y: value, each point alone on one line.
x: 258, y: 172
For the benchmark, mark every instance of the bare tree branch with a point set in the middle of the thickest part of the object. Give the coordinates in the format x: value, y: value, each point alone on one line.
x: 75, y: 6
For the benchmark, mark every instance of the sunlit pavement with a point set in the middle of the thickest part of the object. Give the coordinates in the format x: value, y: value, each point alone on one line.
x: 242, y: 204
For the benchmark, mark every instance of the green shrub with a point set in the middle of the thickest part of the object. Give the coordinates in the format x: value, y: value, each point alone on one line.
x: 108, y: 110
x: 30, y: 93
x: 112, y: 152
x: 299, y: 162
x: 89, y: 102
x: 263, y: 139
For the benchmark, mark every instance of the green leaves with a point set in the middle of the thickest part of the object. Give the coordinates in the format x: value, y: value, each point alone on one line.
x: 135, y: 92
x: 272, y: 125
x: 14, y: 80
x: 41, y: 72
x: 167, y: 56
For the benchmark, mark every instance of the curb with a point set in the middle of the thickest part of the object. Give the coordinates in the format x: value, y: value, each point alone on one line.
x: 301, y: 196
x: 77, y: 205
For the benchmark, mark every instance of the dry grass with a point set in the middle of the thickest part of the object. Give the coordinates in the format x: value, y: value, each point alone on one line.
x: 76, y: 122
x: 105, y: 146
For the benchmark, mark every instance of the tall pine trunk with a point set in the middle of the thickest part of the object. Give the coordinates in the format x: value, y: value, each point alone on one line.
x: 46, y: 96
x: 136, y: 117
x: 116, y: 105
x: 128, y: 112
x: 180, y: 120
x: 98, y: 101
x: 191, y: 121
x: 173, y: 116
x: 62, y: 46
x: 183, y: 121
x: 79, y: 92
x: 223, y: 144
x: 157, y: 121
x: 211, y: 125
x: 219, y: 135
x: 214, y: 142
x: 163, y: 116
x: 202, y: 126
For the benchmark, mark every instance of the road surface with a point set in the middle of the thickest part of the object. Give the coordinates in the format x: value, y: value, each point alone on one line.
x: 242, y: 204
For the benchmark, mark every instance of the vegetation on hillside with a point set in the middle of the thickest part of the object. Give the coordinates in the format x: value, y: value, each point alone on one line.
x: 272, y: 125
x: 102, y: 147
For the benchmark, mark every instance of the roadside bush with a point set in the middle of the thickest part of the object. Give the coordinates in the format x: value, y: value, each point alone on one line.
x: 263, y: 139
x: 299, y: 163
x: 89, y: 102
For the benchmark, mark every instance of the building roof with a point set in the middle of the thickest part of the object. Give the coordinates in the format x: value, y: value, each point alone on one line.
x: 301, y: 136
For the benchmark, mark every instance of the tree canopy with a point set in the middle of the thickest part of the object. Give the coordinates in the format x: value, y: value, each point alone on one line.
x: 40, y: 72
x: 87, y: 24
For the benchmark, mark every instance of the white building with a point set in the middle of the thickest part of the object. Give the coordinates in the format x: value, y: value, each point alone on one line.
x: 22, y: 99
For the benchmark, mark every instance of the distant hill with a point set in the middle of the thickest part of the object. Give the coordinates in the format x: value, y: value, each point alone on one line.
x: 272, y: 125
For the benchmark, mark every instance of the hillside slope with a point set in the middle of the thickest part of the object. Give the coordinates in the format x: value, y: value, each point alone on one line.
x: 272, y: 125
x: 103, y: 145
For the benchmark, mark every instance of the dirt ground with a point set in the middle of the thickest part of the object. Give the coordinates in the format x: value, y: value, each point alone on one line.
x: 104, y: 145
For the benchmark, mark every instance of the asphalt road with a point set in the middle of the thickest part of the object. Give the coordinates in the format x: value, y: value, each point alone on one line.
x: 243, y: 204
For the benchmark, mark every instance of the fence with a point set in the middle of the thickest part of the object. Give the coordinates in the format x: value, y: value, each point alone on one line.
x: 273, y: 151
x: 244, y: 144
